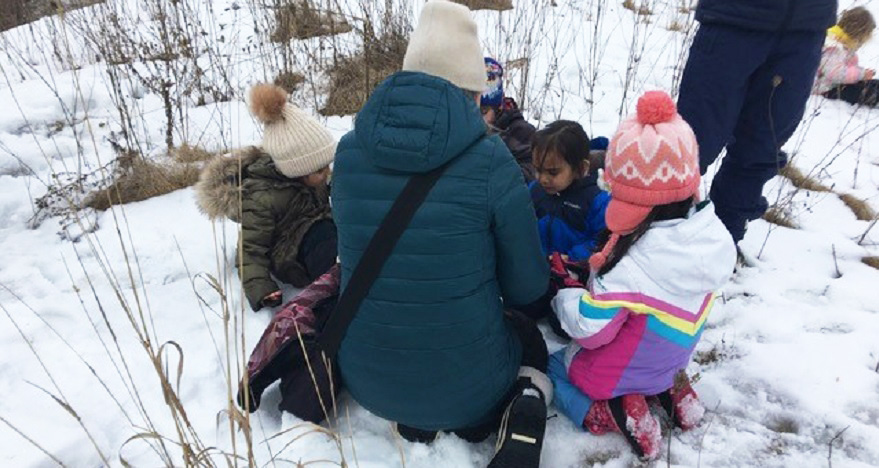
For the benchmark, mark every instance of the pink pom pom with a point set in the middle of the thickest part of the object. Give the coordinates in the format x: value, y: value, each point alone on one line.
x: 655, y: 107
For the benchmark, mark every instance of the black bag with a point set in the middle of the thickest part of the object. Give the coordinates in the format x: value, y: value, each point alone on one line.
x: 309, y: 376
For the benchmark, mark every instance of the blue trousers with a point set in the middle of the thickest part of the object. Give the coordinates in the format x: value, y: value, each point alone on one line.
x: 746, y: 90
x: 568, y: 398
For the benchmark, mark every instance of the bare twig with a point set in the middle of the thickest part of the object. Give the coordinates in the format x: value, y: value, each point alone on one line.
x: 830, y: 446
x: 702, y: 439
x: 836, y: 262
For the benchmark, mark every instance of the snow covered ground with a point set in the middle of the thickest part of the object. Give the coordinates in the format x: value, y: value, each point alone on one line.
x: 789, y: 362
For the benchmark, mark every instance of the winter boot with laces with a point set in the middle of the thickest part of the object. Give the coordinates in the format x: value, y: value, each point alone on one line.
x: 630, y: 416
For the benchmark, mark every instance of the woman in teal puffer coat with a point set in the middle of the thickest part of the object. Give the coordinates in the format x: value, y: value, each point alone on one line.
x: 430, y: 347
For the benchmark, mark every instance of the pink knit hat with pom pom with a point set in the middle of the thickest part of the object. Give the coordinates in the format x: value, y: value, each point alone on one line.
x: 652, y: 160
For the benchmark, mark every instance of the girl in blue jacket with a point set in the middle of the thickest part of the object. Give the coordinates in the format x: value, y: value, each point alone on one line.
x: 567, y: 200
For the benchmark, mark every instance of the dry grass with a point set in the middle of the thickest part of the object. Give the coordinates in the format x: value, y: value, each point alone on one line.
x: 15, y: 13
x: 290, y: 81
x: 352, y: 79
x: 872, y: 262
x: 776, y: 215
x: 675, y: 26
x: 801, y: 180
x: 497, y: 5
x: 518, y: 64
x: 302, y: 20
x: 139, y: 179
x: 188, y: 154
x: 862, y: 210
x: 642, y: 10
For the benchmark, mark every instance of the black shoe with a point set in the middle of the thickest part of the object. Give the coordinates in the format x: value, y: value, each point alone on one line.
x: 556, y: 327
x: 412, y: 434
x: 520, y: 437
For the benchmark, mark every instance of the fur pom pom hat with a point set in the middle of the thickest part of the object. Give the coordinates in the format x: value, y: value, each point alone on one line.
x: 446, y: 44
x: 298, y: 144
x: 652, y: 160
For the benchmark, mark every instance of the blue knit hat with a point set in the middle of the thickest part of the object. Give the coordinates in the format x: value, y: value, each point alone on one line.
x: 493, y: 95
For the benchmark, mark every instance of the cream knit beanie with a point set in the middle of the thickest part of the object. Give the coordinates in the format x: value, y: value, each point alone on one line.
x: 297, y: 143
x: 446, y: 44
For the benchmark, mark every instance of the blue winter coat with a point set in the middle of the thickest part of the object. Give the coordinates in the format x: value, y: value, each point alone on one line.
x: 570, y: 221
x: 429, y: 347
x: 769, y: 15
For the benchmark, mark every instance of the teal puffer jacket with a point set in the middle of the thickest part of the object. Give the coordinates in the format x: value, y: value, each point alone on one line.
x: 429, y: 347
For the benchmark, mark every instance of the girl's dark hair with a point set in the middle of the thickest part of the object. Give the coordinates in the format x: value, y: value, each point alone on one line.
x: 565, y: 138
x: 858, y: 23
x: 674, y: 210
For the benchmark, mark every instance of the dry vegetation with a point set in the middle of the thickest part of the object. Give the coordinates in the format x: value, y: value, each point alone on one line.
x: 777, y: 216
x: 352, y: 79
x: 301, y: 19
x: 137, y: 179
x: 18, y: 12
x: 290, y: 81
x: 872, y: 262
x: 802, y: 180
x: 498, y: 5
x: 861, y: 208
x: 642, y: 9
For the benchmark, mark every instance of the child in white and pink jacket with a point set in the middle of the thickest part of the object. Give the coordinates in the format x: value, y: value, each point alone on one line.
x: 839, y: 75
x: 652, y: 285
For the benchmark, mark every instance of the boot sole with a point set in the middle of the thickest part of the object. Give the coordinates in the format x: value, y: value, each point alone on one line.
x: 523, y: 438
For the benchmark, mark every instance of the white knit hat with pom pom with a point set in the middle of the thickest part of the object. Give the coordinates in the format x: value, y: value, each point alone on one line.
x: 298, y: 144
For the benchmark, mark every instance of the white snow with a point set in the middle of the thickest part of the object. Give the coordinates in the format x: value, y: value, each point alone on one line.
x: 795, y: 335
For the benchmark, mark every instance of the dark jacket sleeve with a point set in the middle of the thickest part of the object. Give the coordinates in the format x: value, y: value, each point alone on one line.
x: 257, y: 226
x: 522, y: 270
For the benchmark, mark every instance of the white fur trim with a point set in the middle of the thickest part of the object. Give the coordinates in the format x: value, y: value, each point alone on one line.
x: 446, y: 44
x: 540, y: 380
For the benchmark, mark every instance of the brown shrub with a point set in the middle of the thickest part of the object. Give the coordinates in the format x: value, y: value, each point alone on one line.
x: 862, y: 210
x: 777, y: 216
x: 289, y: 81
x: 872, y: 262
x: 519, y: 63
x: 138, y: 179
x: 187, y: 154
x: 302, y: 20
x: 801, y: 180
x: 352, y: 79
x: 18, y: 12
x: 642, y: 10
x: 497, y: 5
x: 675, y: 26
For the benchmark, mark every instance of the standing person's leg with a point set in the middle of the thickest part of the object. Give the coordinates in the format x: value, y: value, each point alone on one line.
x: 774, y: 105
x: 714, y: 83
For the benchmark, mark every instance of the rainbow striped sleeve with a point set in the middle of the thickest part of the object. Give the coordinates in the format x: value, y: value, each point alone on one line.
x: 591, y: 323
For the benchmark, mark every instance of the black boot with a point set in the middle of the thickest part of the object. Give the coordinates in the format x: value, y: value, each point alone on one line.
x: 520, y: 437
x: 412, y: 434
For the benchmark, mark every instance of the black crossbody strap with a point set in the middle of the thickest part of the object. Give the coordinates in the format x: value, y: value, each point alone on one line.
x: 373, y: 259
